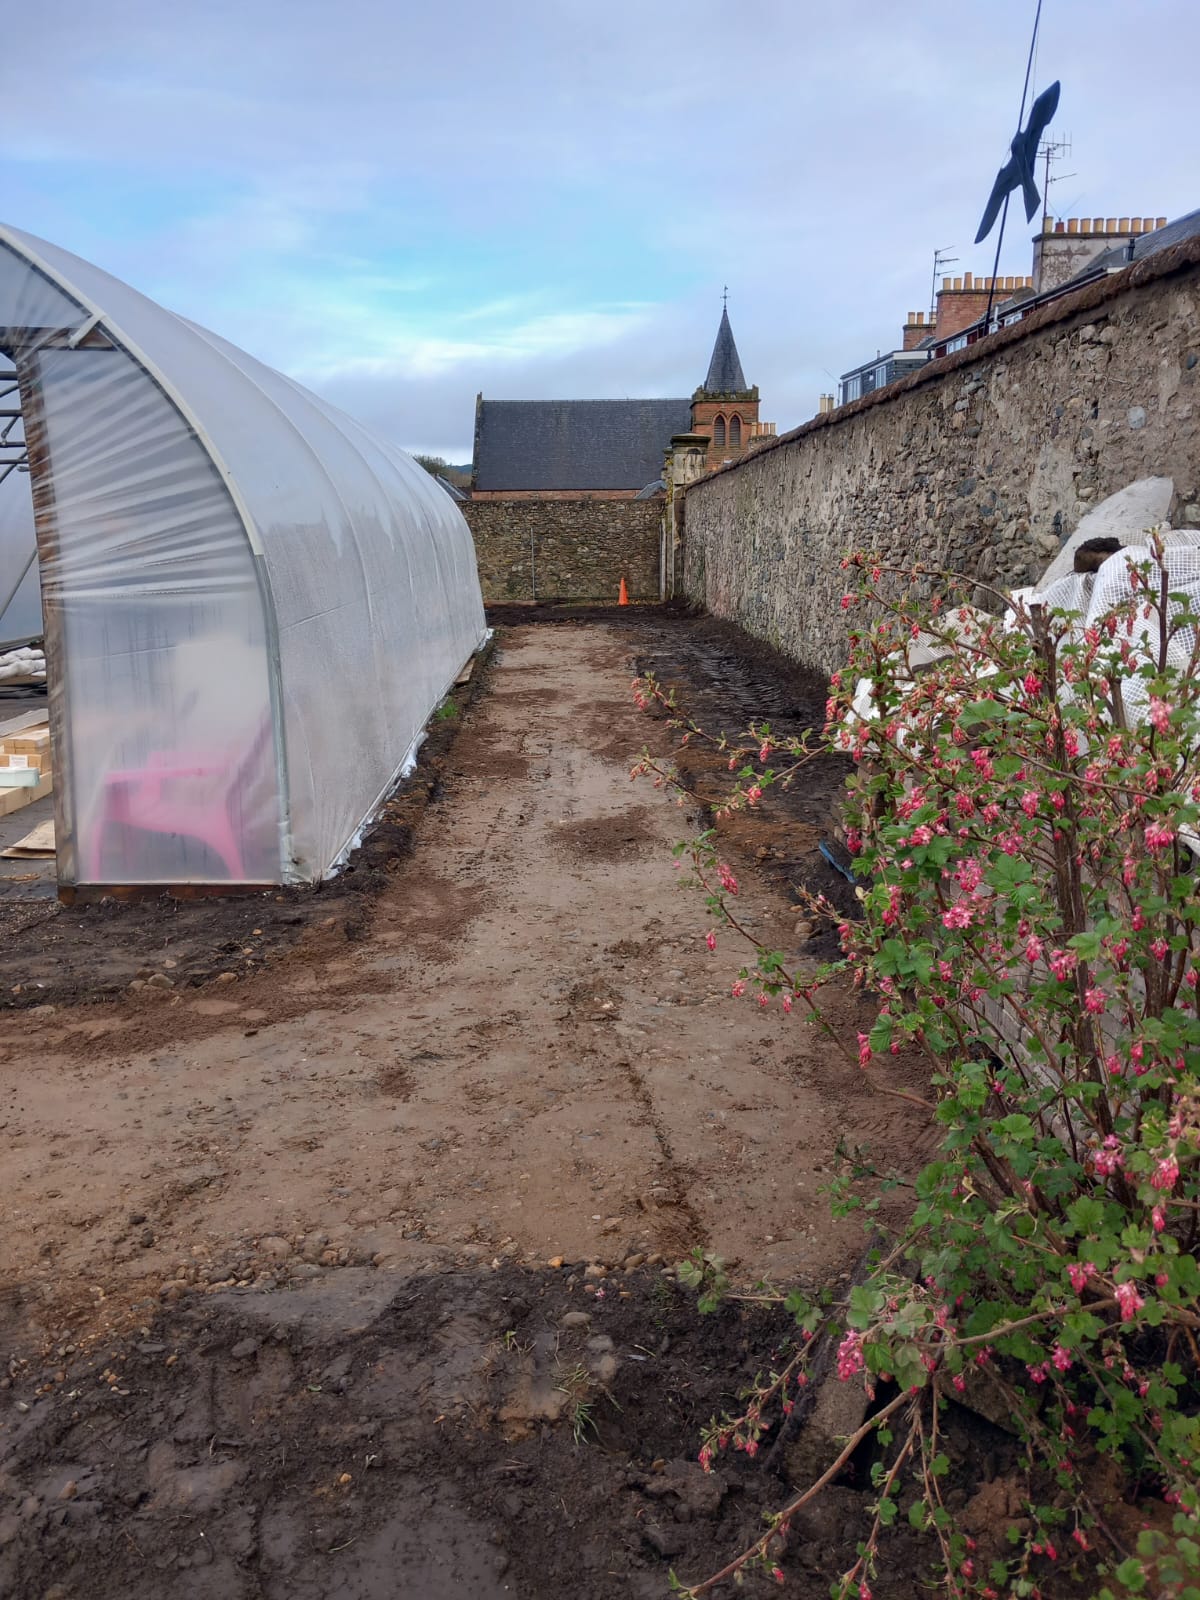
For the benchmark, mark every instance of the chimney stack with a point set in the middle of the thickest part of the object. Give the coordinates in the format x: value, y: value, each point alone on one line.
x: 915, y: 329
x: 1060, y: 252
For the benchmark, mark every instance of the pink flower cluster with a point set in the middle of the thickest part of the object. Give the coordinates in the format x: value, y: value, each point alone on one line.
x: 1129, y: 1300
x: 1079, y: 1272
x: 1110, y: 1157
x: 969, y: 875
x: 1166, y: 1174
x: 850, y: 1356
x: 960, y: 915
x: 1063, y: 964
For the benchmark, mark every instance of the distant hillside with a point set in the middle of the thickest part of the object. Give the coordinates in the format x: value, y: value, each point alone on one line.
x: 459, y: 476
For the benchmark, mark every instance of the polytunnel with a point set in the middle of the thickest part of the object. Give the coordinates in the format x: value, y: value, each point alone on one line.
x: 251, y: 605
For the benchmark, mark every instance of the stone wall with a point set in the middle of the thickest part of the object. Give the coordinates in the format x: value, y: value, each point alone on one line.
x: 566, y: 549
x: 983, y: 461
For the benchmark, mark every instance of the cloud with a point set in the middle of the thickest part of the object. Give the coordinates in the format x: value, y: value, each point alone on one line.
x: 403, y: 205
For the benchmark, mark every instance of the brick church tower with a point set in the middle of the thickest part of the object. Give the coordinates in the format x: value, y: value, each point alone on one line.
x: 724, y: 408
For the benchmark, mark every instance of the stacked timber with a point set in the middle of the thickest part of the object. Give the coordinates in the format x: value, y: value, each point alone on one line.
x: 25, y: 769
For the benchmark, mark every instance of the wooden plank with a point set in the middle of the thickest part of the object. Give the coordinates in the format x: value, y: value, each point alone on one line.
x: 27, y: 719
x: 37, y: 844
x: 32, y: 742
x: 82, y: 894
x: 465, y: 675
x: 19, y: 759
x: 13, y: 799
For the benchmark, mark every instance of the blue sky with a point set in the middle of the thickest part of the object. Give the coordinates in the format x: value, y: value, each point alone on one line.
x: 402, y: 205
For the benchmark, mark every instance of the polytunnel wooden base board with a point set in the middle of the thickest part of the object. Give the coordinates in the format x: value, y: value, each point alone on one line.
x: 82, y: 894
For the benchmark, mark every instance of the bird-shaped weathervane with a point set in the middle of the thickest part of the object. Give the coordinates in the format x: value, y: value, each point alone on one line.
x: 1017, y: 172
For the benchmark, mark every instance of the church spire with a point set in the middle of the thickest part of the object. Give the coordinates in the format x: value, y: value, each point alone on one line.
x: 725, y: 375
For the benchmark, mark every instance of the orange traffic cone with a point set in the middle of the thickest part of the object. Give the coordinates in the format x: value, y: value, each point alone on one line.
x: 623, y: 597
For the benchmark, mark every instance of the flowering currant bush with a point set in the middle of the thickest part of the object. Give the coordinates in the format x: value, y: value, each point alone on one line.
x: 1022, y: 815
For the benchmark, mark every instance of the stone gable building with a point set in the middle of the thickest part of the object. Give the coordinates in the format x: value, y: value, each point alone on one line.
x: 570, y: 496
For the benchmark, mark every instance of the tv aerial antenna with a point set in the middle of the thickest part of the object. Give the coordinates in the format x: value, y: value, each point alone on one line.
x: 1051, y: 151
x: 941, y: 258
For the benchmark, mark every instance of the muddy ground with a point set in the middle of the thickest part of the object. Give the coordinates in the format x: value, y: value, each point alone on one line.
x: 340, y: 1268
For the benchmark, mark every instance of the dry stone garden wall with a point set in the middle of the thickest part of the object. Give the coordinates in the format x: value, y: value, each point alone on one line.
x: 560, y: 548
x: 984, y: 462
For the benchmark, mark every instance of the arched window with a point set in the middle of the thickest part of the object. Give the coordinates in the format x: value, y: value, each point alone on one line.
x: 719, y: 433
x: 735, y: 433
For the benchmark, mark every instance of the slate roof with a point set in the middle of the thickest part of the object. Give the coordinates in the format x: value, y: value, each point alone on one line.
x: 725, y: 375
x: 574, y: 444
x: 1145, y: 244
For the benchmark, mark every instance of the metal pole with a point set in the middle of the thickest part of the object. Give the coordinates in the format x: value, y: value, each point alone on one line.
x: 11, y: 596
x: 987, y: 321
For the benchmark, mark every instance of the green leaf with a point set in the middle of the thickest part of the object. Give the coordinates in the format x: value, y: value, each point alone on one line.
x: 1086, y: 1216
x: 981, y: 711
x: 1130, y: 1573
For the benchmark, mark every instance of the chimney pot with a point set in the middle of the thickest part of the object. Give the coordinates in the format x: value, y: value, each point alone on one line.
x: 1072, y: 224
x: 1059, y: 227
x: 945, y: 285
x: 1097, y: 224
x: 1160, y: 222
x: 958, y: 283
x: 1085, y: 224
x: 967, y: 280
x: 1124, y: 225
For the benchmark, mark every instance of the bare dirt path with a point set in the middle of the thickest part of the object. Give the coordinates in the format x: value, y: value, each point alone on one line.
x: 529, y: 1056
x: 533, y: 1054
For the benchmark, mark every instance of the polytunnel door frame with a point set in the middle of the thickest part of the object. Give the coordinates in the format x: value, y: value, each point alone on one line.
x: 94, y: 334
x: 98, y: 332
x: 22, y: 347
x: 14, y: 456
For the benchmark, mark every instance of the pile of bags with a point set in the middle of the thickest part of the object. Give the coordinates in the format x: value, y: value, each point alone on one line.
x: 24, y: 665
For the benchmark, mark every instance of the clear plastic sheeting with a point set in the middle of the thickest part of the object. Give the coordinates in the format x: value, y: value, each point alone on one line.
x: 1094, y: 595
x: 251, y: 605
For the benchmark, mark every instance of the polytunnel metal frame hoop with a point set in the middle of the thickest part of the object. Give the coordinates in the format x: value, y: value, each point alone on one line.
x: 99, y: 321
